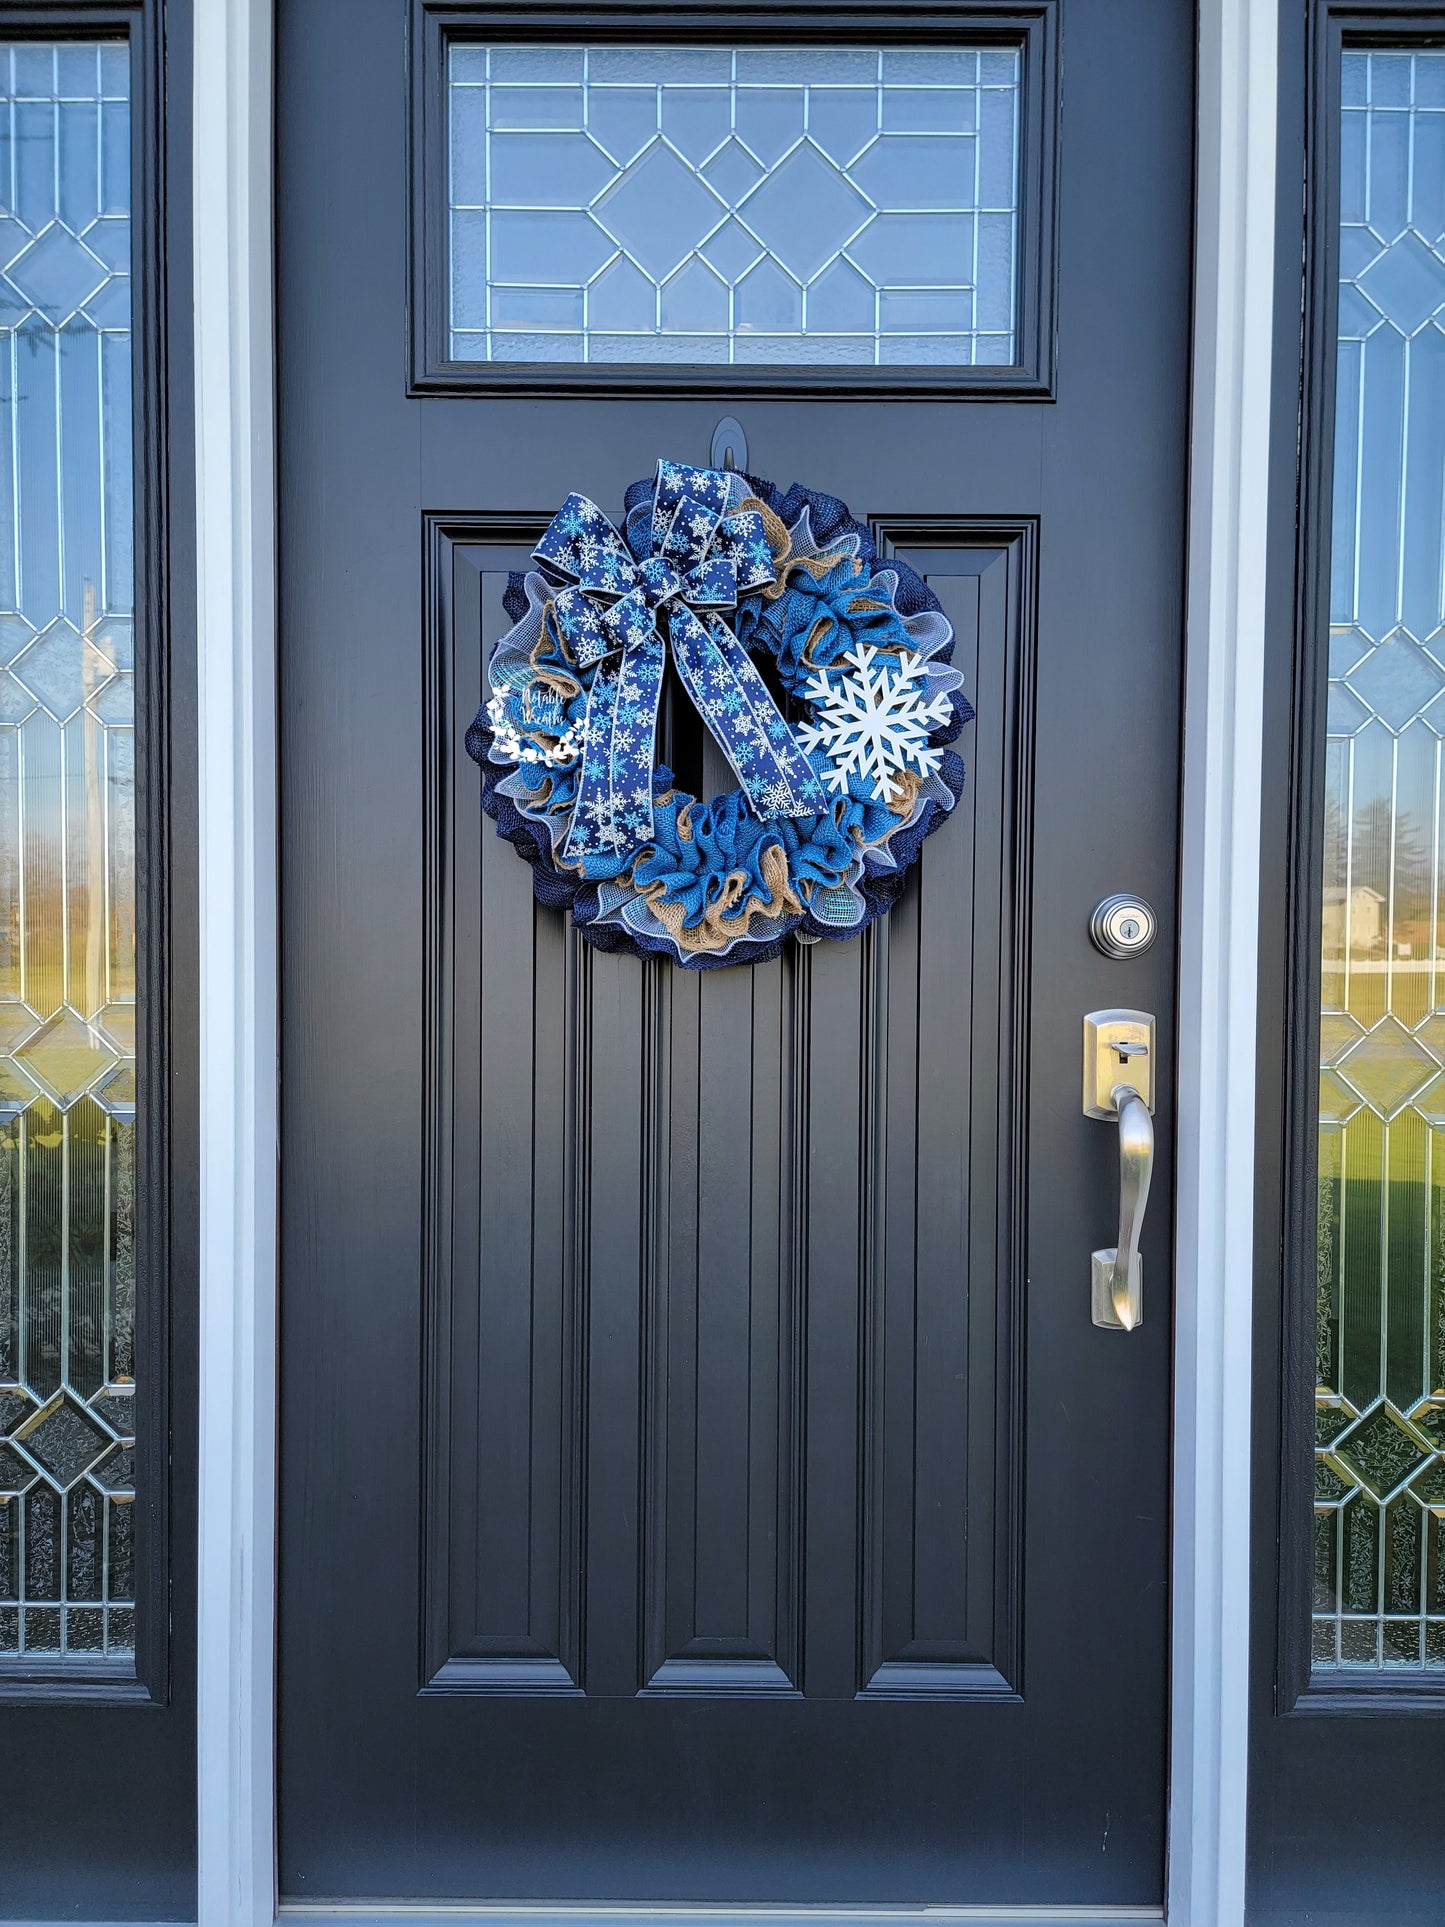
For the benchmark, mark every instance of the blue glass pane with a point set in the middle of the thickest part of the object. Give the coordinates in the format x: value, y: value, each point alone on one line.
x: 67, y: 856
x: 795, y: 205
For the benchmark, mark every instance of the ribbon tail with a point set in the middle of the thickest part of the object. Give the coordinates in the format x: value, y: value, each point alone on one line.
x: 750, y: 729
x: 612, y: 814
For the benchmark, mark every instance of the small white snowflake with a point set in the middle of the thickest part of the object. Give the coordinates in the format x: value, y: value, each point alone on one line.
x: 778, y: 798
x: 875, y: 721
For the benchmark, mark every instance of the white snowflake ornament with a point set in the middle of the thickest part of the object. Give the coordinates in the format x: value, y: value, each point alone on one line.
x: 875, y: 721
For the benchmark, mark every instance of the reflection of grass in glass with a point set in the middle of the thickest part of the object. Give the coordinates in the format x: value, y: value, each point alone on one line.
x: 1381, y: 1262
x: 1381, y: 1259
x: 73, y: 1201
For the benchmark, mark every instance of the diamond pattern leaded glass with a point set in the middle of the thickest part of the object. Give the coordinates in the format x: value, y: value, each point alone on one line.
x: 692, y: 204
x: 67, y: 857
x: 1380, y: 1262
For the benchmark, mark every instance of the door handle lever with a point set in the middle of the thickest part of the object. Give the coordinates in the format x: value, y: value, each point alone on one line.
x: 1119, y: 1085
x: 1118, y: 1273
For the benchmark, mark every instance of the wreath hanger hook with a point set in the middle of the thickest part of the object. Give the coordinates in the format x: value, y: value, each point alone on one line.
x: 729, y: 446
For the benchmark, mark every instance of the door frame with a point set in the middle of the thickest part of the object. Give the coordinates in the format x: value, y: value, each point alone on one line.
x: 233, y: 97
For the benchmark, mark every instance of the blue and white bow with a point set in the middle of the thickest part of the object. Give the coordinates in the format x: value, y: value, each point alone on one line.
x: 622, y: 615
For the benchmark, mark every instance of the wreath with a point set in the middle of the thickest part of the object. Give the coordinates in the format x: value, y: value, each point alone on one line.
x: 720, y: 573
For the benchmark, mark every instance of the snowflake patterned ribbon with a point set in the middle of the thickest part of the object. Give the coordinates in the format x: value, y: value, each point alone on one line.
x: 622, y: 615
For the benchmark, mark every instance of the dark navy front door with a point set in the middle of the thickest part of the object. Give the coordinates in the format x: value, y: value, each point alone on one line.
x: 702, y: 1480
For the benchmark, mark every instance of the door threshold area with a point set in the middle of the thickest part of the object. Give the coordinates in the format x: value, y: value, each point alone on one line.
x: 659, y: 1914
x: 450, y: 1913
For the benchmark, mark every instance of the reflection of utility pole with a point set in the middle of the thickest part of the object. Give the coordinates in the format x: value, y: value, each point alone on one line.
x: 90, y: 737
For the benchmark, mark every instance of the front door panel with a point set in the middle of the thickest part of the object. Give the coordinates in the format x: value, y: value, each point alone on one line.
x: 702, y: 1480
x: 754, y: 1203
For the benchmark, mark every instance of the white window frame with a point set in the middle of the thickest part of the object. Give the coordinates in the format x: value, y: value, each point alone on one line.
x: 236, y: 533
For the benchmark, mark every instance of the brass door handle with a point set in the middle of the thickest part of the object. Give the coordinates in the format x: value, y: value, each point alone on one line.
x: 1119, y: 1084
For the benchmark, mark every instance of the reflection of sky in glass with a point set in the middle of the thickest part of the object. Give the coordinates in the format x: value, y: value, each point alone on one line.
x: 67, y: 855
x: 1380, y: 1486
x: 690, y: 204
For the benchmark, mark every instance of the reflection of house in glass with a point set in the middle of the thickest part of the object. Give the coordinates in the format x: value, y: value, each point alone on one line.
x: 1356, y: 916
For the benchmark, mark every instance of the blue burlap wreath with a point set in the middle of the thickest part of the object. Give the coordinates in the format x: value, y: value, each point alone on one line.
x: 716, y: 570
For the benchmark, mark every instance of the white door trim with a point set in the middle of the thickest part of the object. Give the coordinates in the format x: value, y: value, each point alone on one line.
x: 235, y: 646
x: 1219, y: 955
x: 235, y: 494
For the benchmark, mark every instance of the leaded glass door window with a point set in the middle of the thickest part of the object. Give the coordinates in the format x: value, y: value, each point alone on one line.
x: 838, y: 205
x: 97, y: 1486
x: 67, y: 859
x: 1346, y: 1801
x: 650, y: 211
x: 1380, y: 1472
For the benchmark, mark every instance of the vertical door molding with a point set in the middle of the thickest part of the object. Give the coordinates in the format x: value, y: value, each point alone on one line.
x: 1219, y: 954
x: 236, y: 532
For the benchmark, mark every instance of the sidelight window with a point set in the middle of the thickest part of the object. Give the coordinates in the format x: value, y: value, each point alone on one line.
x: 68, y: 952
x: 1379, y: 1580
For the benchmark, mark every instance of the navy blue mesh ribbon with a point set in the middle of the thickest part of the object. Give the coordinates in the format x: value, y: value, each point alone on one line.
x: 623, y: 615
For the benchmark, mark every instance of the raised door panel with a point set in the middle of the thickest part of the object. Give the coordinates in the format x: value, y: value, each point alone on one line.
x: 722, y: 1386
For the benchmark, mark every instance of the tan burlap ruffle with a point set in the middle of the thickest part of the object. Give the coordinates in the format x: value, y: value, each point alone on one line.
x: 729, y: 917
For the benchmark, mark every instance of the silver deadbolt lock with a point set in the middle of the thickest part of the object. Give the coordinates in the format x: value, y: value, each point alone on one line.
x: 1123, y: 926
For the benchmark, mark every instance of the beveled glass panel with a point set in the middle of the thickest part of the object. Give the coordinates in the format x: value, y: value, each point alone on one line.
x: 797, y: 205
x: 67, y: 856
x: 1380, y: 1257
